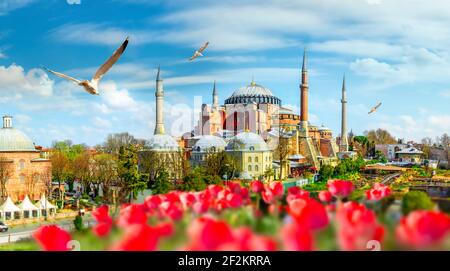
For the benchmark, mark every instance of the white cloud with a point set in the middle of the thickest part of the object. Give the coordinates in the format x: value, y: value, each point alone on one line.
x: 372, y: 68
x: 90, y: 33
x: 101, y: 123
x: 413, y: 127
x: 361, y: 48
x: 74, y: 2
x: 15, y: 80
x: 116, y: 98
x: 10, y: 5
x: 445, y: 93
x: 22, y: 118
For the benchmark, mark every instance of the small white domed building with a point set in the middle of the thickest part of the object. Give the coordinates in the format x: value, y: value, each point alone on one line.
x: 22, y: 169
x: 251, y: 153
x: 204, y: 146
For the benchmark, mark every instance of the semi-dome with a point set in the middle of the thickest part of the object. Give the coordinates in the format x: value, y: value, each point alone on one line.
x: 12, y: 139
x: 247, y: 141
x: 162, y: 142
x: 252, y: 93
x: 209, y: 142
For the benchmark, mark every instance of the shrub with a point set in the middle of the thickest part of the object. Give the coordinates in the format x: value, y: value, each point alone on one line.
x: 78, y: 223
x: 416, y: 200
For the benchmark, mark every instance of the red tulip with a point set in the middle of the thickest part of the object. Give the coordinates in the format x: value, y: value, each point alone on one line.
x: 357, y: 226
x: 132, y: 214
x: 296, y: 193
x: 340, y: 188
x: 308, y: 212
x: 378, y: 192
x: 256, y: 186
x: 172, y: 210
x: 206, y: 233
x: 200, y: 207
x: 139, y: 237
x: 187, y: 199
x: 234, y: 187
x: 214, y: 189
x: 276, y: 188
x: 172, y: 197
x: 423, y: 229
x: 234, y: 200
x: 245, y: 195
x: 297, y: 237
x: 104, y: 221
x: 152, y: 202
x: 244, y: 239
x: 52, y: 238
x: 325, y: 196
x: 272, y: 192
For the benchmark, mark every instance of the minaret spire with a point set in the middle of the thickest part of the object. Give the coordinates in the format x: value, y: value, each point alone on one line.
x: 215, y: 97
x: 304, y: 60
x: 159, y: 94
x: 343, y: 145
x: 304, y: 94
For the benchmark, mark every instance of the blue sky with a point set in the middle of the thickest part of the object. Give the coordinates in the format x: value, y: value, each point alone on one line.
x: 396, y: 52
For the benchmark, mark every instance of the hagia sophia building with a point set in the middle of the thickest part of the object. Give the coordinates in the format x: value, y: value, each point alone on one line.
x: 254, y: 118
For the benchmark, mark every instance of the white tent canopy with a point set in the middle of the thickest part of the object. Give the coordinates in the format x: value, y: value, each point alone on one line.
x: 9, y: 207
x: 43, y: 204
x: 27, y: 205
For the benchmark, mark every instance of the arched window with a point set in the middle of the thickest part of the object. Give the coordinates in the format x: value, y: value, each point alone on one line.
x: 249, y: 159
x: 22, y: 164
x: 36, y: 178
x: 256, y: 159
x: 249, y: 167
x: 256, y: 168
x: 252, y: 148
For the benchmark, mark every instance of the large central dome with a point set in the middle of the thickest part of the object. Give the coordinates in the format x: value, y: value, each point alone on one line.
x: 253, y: 93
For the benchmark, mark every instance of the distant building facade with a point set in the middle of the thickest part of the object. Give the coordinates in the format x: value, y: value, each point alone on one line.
x: 252, y: 154
x: 23, y: 169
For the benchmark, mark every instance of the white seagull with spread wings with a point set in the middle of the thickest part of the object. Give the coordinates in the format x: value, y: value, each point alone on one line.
x: 199, y: 51
x: 375, y: 108
x: 92, y: 85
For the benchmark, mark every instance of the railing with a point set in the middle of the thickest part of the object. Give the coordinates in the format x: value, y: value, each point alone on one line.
x: 390, y: 178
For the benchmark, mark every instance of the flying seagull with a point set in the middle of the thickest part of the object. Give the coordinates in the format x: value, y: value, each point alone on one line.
x: 375, y: 108
x: 199, y: 51
x: 92, y: 85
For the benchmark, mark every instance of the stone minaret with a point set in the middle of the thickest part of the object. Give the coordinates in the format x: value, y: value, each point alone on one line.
x: 343, y: 144
x: 304, y: 95
x: 7, y: 121
x: 159, y: 94
x: 215, y: 98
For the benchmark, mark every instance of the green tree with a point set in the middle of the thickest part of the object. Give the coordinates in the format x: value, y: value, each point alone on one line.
x: 162, y: 184
x: 326, y: 172
x: 198, y: 179
x: 219, y: 164
x: 132, y: 181
x: 416, y: 200
x: 380, y: 136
